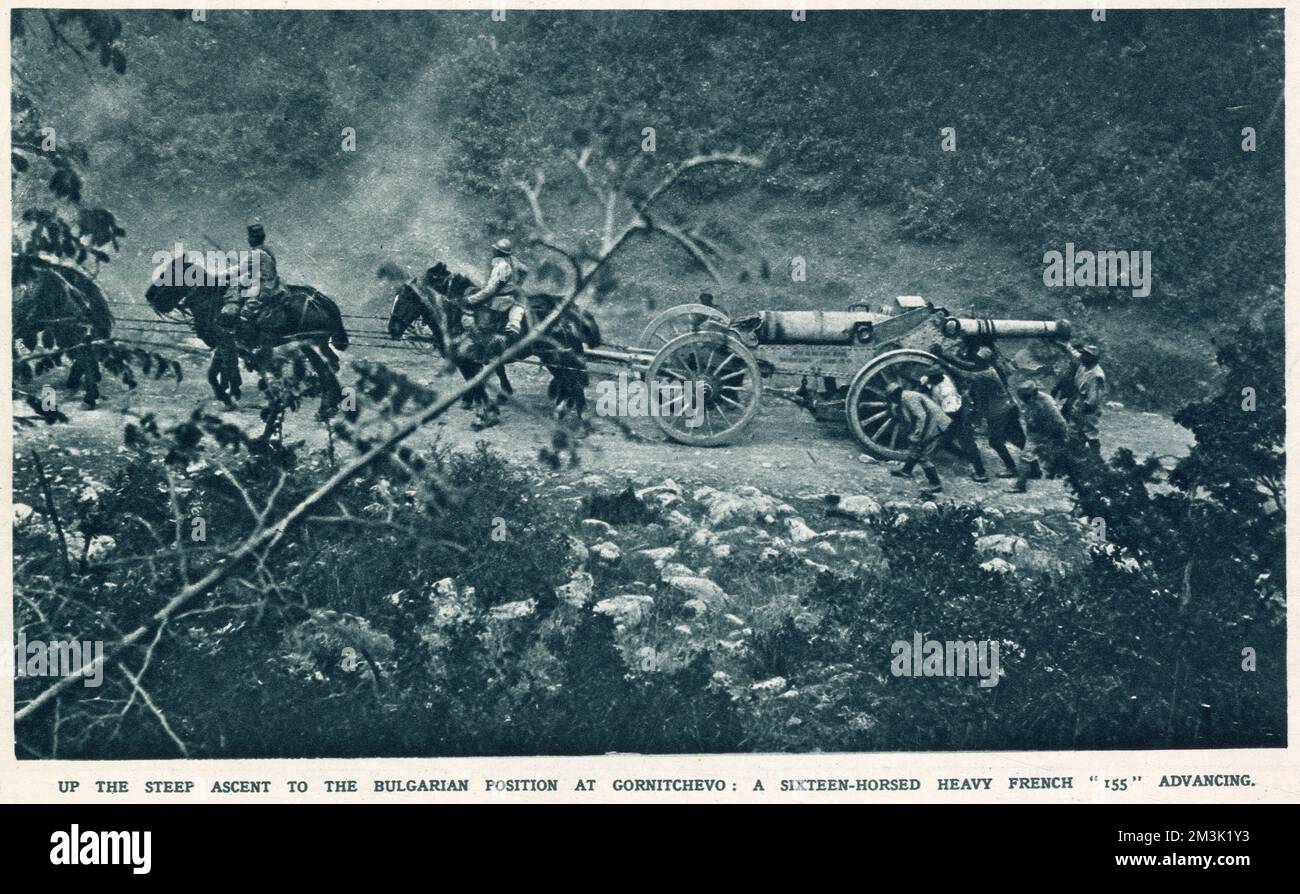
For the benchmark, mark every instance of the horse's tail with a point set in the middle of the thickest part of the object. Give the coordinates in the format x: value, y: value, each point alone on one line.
x: 339, y: 333
x: 590, y: 328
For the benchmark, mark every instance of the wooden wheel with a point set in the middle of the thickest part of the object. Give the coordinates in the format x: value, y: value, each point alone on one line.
x: 720, y: 383
x: 877, y: 428
x: 680, y: 320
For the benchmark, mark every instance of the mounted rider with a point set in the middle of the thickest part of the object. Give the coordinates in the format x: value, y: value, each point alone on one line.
x: 255, y: 290
x: 499, y: 308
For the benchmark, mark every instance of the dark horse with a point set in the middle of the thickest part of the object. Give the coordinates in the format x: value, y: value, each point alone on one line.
x: 435, y: 299
x: 305, y: 317
x: 69, y: 309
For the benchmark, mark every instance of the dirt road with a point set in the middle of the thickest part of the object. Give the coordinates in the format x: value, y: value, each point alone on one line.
x: 784, y: 451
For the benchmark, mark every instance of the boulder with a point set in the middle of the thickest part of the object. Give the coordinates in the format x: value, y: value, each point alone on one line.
x: 799, y: 530
x: 771, y: 686
x: 745, y: 504
x: 695, y: 587
x: 606, y: 551
x: 627, y: 610
x: 659, y: 555
x: 858, y: 507
x: 598, y: 528
x: 998, y: 566
x: 511, y: 611
x: 578, y: 590
x: 1002, y: 544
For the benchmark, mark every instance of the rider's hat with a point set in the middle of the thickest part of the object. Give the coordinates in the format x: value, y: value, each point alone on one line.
x: 256, y: 230
x: 1027, y: 387
x: 1091, y: 351
x: 502, y: 246
x: 985, y: 353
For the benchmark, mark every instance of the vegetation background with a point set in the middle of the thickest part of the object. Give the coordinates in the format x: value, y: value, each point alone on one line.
x: 656, y: 622
x: 1124, y: 134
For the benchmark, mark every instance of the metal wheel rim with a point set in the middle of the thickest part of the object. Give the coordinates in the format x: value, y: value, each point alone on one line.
x: 678, y: 321
x: 874, y: 426
x: 733, y: 387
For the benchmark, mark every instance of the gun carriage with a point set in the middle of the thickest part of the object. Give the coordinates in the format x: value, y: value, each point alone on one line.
x: 699, y: 347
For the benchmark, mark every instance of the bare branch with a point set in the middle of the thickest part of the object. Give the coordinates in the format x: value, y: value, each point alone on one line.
x: 698, y: 161
x: 686, y: 242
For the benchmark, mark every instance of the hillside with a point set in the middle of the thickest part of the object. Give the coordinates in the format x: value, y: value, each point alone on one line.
x: 1123, y: 135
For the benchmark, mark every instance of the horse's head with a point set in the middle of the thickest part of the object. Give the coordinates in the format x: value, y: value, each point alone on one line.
x: 438, y: 278
x: 187, y: 287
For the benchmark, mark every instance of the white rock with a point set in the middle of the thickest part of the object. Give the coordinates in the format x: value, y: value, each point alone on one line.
x: 799, y: 530
x: 722, y: 551
x: 699, y: 606
x: 598, y: 527
x: 626, y: 610
x: 578, y: 590
x: 511, y: 611
x: 677, y: 569
x: 667, y: 487
x: 746, y: 504
x: 770, y: 686
x: 679, y: 520
x: 858, y: 506
x: 697, y: 588
x: 578, y: 552
x: 998, y: 565
x: 100, y: 546
x: 606, y: 551
x: 1002, y: 544
x: 22, y: 513
x: 703, y: 538
x: 659, y: 555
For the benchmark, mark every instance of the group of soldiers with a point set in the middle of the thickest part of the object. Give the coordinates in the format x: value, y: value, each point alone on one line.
x: 494, y: 314
x: 944, y: 409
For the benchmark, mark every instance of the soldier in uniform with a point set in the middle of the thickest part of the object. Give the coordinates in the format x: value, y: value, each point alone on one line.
x: 959, y: 436
x: 1089, y: 393
x: 1045, y: 434
x: 928, y: 422
x: 499, y: 309
x: 988, y: 395
x: 256, y: 290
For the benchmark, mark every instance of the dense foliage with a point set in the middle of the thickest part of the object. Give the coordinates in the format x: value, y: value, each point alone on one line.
x: 441, y: 606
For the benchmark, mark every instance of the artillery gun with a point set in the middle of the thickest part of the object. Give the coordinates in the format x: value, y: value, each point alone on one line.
x: 698, y: 346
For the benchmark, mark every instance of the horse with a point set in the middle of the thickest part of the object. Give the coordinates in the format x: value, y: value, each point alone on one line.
x: 436, y: 298
x: 60, y: 306
x: 304, y: 316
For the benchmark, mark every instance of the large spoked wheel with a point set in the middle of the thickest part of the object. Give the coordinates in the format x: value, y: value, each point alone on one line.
x: 877, y: 428
x: 680, y: 320
x: 716, y: 387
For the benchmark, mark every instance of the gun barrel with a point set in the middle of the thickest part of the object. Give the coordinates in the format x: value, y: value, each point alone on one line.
x: 813, y: 327
x: 984, y: 328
